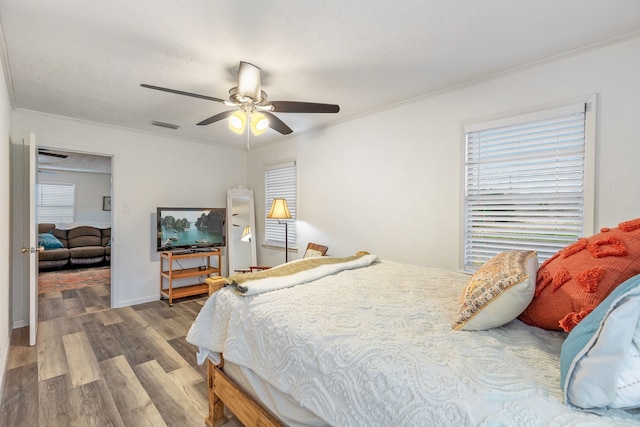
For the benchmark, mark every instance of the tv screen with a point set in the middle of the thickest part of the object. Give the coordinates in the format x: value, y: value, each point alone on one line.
x: 190, y: 228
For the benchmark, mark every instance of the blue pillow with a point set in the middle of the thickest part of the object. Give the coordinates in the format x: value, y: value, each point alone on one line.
x: 600, y: 359
x: 49, y: 241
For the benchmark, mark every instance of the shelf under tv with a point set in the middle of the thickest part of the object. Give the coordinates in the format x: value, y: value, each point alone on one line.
x: 168, y: 273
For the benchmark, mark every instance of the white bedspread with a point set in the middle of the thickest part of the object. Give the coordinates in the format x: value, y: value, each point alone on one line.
x: 374, y: 347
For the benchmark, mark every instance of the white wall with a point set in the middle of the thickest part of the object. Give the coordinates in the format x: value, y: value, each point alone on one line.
x: 5, y: 225
x: 147, y: 171
x: 391, y: 182
x: 90, y: 189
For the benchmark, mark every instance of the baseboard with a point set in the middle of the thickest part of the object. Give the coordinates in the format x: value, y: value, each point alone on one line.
x: 142, y: 300
x: 4, y: 358
x: 20, y: 324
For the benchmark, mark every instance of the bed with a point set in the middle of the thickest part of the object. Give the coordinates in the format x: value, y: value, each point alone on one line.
x: 373, y: 344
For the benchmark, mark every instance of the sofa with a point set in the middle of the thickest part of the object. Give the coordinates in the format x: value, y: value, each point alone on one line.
x: 73, y: 247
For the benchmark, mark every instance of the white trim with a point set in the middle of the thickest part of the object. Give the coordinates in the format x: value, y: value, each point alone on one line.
x: 524, y: 118
x: 590, y: 141
x: 279, y: 165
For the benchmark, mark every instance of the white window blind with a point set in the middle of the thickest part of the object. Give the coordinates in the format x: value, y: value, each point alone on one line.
x: 525, y: 184
x: 56, y: 202
x: 280, y: 182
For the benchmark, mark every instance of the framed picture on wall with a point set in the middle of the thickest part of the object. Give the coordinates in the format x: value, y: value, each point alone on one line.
x: 106, y: 203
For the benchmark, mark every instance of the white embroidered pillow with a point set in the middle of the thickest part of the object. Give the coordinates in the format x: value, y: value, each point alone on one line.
x: 498, y: 292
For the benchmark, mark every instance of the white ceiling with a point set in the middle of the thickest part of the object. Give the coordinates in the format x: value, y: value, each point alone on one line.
x: 86, y: 59
x: 50, y: 161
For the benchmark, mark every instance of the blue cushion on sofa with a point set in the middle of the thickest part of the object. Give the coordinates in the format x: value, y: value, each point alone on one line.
x: 600, y: 359
x: 49, y: 241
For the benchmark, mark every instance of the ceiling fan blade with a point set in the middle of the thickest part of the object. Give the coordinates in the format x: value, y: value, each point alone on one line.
x: 277, y: 124
x: 216, y: 118
x: 303, y: 107
x: 249, y: 84
x: 180, y: 92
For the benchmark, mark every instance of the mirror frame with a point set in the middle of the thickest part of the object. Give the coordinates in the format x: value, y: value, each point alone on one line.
x: 231, y: 194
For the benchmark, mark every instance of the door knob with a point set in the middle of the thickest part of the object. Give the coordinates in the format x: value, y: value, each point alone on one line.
x: 32, y: 250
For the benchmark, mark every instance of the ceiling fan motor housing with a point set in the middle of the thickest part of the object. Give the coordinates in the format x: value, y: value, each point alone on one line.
x: 249, y: 85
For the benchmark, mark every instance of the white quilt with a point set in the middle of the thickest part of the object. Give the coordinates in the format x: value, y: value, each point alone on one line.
x: 374, y: 347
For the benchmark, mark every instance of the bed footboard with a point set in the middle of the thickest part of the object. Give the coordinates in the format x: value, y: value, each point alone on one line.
x: 224, y: 391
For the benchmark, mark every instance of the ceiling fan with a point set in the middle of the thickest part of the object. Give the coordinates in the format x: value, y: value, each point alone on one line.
x: 251, y: 105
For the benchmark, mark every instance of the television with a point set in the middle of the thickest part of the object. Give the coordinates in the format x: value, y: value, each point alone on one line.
x: 190, y: 228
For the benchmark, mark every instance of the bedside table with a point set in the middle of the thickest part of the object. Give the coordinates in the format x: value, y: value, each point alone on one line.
x: 215, y: 283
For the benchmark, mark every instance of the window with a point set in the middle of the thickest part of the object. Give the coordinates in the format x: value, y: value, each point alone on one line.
x: 280, y: 182
x: 56, y: 202
x: 528, y: 182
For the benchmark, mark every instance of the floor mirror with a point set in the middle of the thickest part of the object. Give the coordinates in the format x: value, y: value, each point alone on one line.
x: 241, y: 227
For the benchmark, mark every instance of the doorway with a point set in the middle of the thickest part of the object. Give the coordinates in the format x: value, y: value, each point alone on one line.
x: 74, y: 211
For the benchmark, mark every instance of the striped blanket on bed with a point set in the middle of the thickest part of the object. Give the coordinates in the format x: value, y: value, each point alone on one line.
x: 295, y: 273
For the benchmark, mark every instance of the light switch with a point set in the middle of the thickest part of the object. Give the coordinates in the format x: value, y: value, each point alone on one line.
x: 125, y: 207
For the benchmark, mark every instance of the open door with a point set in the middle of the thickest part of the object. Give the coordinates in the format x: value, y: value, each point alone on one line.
x: 32, y: 249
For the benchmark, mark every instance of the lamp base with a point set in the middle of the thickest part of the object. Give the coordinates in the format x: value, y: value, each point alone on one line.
x: 286, y: 242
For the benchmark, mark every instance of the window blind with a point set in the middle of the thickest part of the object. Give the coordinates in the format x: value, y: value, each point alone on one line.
x: 55, y: 202
x: 280, y: 182
x: 525, y: 181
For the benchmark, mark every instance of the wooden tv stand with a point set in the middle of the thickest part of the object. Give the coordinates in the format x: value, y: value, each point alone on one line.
x: 168, y: 273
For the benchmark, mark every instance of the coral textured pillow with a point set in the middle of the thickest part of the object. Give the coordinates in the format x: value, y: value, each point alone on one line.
x: 498, y: 292
x: 576, y: 279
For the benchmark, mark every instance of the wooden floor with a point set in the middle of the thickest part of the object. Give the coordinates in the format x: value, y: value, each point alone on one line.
x: 96, y: 366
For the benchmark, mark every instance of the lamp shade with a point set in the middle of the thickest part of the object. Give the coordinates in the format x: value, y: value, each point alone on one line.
x: 279, y: 209
x: 246, y: 234
x: 259, y: 123
x: 237, y: 122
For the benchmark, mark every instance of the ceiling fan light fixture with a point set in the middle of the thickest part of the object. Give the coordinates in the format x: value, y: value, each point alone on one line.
x: 259, y: 123
x: 237, y: 122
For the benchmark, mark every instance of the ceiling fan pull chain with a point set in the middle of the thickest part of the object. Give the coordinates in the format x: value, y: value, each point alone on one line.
x: 248, y: 130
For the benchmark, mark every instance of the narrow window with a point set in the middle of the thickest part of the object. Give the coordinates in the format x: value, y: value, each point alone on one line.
x: 280, y: 182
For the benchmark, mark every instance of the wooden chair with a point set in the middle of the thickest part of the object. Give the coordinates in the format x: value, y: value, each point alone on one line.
x: 314, y: 249
x: 258, y: 268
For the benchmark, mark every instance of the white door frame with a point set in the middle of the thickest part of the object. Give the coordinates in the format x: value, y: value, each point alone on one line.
x: 33, y: 290
x: 33, y: 241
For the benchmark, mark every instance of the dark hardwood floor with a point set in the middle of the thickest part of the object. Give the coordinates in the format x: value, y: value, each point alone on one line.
x: 96, y: 366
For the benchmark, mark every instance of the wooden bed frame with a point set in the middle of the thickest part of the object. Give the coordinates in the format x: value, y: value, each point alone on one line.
x: 223, y: 391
